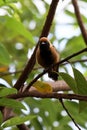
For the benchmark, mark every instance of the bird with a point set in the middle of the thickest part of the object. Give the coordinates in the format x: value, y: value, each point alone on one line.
x: 46, y: 56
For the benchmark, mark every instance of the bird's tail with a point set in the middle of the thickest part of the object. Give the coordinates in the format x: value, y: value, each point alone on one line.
x: 53, y: 73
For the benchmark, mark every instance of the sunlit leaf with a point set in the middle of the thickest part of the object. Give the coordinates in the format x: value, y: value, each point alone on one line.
x: 69, y: 13
x: 4, y: 2
x: 18, y: 27
x: 11, y: 103
x: 10, y: 1
x: 42, y: 87
x: 7, y: 91
x: 17, y: 120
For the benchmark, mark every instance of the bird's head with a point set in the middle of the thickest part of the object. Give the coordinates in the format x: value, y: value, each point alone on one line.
x: 44, y: 43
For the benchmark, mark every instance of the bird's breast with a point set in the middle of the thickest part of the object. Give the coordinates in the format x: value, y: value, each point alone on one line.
x: 45, y: 58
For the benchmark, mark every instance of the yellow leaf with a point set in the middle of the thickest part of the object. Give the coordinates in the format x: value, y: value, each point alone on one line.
x: 42, y: 87
x: 3, y: 69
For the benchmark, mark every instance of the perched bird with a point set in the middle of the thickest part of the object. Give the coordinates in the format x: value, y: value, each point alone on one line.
x: 46, y: 56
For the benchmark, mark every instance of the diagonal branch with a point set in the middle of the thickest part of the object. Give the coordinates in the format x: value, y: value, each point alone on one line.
x: 62, y: 61
x: 79, y: 19
x: 75, y: 61
x: 49, y: 18
x: 28, y: 68
x: 32, y: 60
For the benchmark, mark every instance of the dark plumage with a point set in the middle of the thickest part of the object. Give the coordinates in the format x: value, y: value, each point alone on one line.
x: 46, y: 56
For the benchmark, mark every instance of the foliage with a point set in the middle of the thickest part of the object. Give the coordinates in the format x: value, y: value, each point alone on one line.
x: 42, y: 87
x: 21, y: 23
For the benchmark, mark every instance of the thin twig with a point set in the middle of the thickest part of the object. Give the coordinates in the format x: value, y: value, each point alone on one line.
x: 61, y: 101
x: 79, y: 19
x: 62, y: 61
x: 71, y: 56
x: 75, y: 61
x: 16, y: 72
x: 10, y: 73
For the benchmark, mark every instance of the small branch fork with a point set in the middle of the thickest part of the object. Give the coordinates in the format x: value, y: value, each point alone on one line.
x: 45, y: 71
x: 62, y: 61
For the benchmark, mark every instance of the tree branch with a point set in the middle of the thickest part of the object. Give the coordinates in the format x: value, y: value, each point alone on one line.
x: 45, y: 71
x: 79, y: 20
x: 28, y: 68
x: 75, y: 61
x: 59, y: 85
x: 49, y: 18
x: 48, y: 95
x: 71, y: 56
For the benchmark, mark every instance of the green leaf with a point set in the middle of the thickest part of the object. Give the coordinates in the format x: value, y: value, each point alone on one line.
x: 11, y: 103
x: 7, y: 91
x: 17, y: 120
x: 71, y: 14
x: 4, y: 55
x: 82, y: 87
x: 69, y: 80
x: 82, y: 106
x: 76, y: 47
x: 17, y: 27
x: 80, y: 82
x: 4, y: 2
x: 10, y: 1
